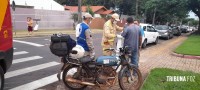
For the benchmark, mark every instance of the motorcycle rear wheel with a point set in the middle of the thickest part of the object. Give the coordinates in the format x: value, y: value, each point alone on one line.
x: 128, y: 80
x: 71, y: 71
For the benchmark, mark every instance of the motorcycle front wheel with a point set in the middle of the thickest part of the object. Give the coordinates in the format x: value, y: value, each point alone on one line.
x: 130, y: 78
x: 72, y: 72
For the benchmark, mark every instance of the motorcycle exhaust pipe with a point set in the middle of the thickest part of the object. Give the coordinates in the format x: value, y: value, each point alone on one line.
x: 69, y: 79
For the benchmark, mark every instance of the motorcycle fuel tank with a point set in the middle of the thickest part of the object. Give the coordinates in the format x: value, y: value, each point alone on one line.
x: 107, y: 60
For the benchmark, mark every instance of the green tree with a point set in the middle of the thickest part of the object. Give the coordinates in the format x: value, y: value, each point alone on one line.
x: 190, y: 21
x: 89, y: 10
x: 162, y: 11
x: 165, y: 10
x: 195, y: 23
x: 74, y: 17
x: 127, y: 7
x: 194, y: 5
x: 68, y: 2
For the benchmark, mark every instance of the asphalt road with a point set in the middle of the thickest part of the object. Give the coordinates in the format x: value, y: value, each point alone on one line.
x: 35, y: 67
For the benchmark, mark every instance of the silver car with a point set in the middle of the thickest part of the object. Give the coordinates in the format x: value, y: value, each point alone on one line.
x: 164, y: 31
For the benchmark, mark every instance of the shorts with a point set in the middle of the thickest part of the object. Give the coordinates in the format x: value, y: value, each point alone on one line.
x: 30, y: 29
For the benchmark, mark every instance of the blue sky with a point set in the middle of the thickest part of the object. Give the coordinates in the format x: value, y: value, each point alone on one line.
x: 192, y: 15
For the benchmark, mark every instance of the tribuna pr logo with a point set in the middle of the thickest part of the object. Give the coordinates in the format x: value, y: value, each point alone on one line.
x: 180, y: 78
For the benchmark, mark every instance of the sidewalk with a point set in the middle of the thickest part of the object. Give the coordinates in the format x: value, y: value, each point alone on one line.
x: 24, y: 33
x: 160, y: 57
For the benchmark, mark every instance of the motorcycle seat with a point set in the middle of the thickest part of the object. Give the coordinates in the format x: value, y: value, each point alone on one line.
x: 86, y: 59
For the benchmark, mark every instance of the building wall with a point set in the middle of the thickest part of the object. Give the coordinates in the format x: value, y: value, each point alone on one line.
x: 54, y: 19
x: 19, y: 17
x: 49, y: 19
x: 101, y: 11
x: 97, y: 23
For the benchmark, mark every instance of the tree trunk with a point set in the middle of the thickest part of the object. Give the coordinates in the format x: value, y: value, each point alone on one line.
x: 198, y: 32
x: 79, y: 11
x: 136, y: 9
x: 199, y: 24
x: 154, y: 15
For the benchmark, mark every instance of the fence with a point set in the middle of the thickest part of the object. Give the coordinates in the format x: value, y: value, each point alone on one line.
x: 50, y: 19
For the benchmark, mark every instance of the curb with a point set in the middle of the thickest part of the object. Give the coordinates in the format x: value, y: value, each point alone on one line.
x: 37, y: 35
x: 145, y: 79
x: 185, y: 56
x: 46, y: 34
x: 30, y: 36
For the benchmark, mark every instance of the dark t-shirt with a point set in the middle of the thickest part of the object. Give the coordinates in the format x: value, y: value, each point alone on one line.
x: 131, y: 36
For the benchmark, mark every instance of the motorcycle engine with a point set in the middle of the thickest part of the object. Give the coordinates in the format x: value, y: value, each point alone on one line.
x: 106, y: 75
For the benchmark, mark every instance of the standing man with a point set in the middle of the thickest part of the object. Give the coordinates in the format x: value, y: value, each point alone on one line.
x: 133, y: 39
x: 109, y: 33
x: 84, y: 36
x: 136, y: 22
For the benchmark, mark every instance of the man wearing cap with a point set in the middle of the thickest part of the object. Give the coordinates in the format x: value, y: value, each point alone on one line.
x: 84, y: 36
x: 109, y: 33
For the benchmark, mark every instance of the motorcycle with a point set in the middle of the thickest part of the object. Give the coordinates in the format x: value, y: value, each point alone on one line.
x: 105, y: 71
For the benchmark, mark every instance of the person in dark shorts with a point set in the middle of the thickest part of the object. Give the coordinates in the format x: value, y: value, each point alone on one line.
x: 30, y: 25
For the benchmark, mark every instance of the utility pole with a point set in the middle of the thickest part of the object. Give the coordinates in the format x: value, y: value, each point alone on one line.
x: 13, y: 8
x: 154, y: 15
x: 79, y: 11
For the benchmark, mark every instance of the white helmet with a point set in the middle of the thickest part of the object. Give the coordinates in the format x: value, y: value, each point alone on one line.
x: 80, y: 52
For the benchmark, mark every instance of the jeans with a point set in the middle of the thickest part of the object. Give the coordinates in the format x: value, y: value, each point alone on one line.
x: 135, y: 58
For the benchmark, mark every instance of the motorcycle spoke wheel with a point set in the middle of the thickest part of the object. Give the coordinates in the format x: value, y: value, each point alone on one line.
x: 130, y: 79
x: 71, y: 72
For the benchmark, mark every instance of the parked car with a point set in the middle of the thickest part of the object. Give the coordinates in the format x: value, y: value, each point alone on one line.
x: 184, y: 29
x: 176, y: 30
x: 164, y: 31
x: 191, y: 29
x: 150, y: 35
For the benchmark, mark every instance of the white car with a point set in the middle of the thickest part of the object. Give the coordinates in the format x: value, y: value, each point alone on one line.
x: 150, y: 34
x: 191, y: 29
